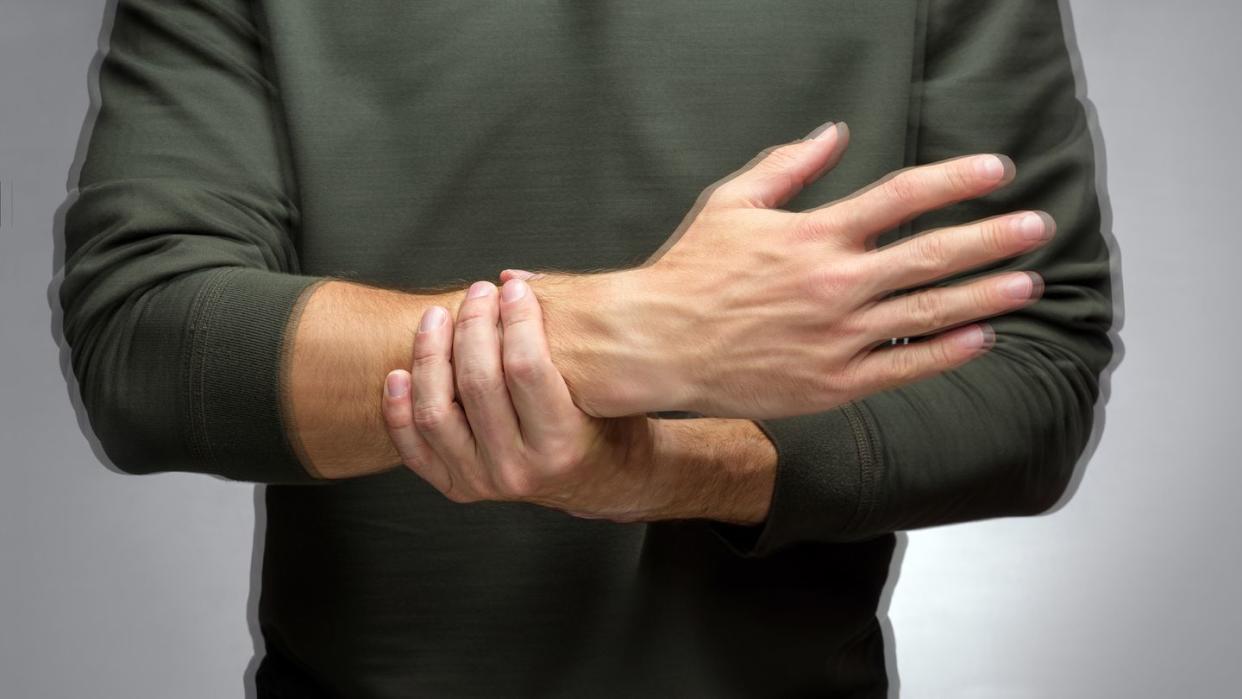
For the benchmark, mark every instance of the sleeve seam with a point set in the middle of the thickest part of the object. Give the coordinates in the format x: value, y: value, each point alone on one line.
x: 196, y: 348
x: 870, y: 464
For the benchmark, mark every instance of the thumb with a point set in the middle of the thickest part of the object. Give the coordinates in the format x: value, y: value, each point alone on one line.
x: 778, y: 173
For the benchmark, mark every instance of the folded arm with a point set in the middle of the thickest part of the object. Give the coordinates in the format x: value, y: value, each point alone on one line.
x: 1001, y: 435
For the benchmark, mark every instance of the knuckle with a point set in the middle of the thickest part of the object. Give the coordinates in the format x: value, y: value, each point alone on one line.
x: 478, y: 384
x: 426, y: 359
x: 828, y: 385
x: 396, y: 415
x: 521, y: 314
x: 780, y: 179
x: 568, y: 459
x: 986, y: 298
x: 925, y: 308
x: 524, y: 367
x: 904, y: 366
x: 396, y: 418
x: 429, y: 417
x: 959, y: 177
x: 905, y: 189
x: 994, y: 238
x: 515, y: 481
x: 717, y: 197
x: 830, y: 281
x: 813, y: 226
x: 854, y: 328
x: 942, y: 355
x: 472, y: 317
x: 461, y: 495
x: 931, y: 252
x: 782, y: 156
x: 845, y: 279
x: 424, y: 350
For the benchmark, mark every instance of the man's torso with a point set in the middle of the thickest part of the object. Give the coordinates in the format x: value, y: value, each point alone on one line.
x: 432, y: 143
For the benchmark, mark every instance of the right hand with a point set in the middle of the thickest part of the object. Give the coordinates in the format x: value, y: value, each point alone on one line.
x: 757, y: 312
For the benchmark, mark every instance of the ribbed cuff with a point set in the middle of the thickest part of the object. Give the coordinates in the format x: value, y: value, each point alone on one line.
x: 240, y: 327
x: 825, y: 475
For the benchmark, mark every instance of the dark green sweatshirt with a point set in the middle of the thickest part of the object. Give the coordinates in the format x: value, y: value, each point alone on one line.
x: 243, y: 151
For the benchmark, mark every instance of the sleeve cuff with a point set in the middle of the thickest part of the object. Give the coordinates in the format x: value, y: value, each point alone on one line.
x: 826, y: 470
x: 242, y: 321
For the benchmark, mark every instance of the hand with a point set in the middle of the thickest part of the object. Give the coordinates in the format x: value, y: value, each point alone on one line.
x: 753, y: 311
x: 516, y: 435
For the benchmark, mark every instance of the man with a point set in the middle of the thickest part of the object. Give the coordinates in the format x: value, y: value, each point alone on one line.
x: 278, y: 195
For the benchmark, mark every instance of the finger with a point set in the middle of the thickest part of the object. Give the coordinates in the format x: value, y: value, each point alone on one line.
x: 898, y: 365
x: 480, y: 375
x: 907, y: 193
x: 544, y: 405
x: 437, y: 417
x: 415, y: 453
x: 929, y: 310
x: 935, y: 254
x: 778, y: 173
x: 518, y: 274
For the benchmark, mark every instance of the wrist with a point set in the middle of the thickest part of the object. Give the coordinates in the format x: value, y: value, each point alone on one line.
x: 608, y: 338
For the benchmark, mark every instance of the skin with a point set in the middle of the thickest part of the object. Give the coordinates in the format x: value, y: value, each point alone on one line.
x: 789, y: 311
x: 517, y: 434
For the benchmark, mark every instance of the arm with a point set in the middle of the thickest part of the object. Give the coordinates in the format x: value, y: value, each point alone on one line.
x: 185, y: 310
x: 200, y: 346
x: 485, y: 414
x: 718, y: 469
x: 197, y: 342
x: 998, y: 436
x: 180, y: 273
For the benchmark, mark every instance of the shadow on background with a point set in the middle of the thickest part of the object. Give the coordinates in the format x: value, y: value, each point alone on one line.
x: 1114, y: 257
x: 66, y: 367
x: 1097, y: 429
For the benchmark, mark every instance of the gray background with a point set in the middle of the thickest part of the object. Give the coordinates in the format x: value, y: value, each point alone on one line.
x: 121, y: 586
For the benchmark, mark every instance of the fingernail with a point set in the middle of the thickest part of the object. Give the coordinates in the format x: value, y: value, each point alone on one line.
x: 982, y: 336
x: 513, y: 290
x: 397, y: 384
x: 972, y: 338
x: 1031, y: 227
x: 990, y: 167
x: 480, y: 289
x: 1018, y: 287
x: 432, y: 318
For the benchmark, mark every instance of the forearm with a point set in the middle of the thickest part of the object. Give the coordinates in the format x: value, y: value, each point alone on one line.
x: 349, y: 336
x: 713, y: 468
x: 346, y: 339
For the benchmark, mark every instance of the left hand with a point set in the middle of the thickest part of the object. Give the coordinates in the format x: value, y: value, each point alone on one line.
x: 517, y: 434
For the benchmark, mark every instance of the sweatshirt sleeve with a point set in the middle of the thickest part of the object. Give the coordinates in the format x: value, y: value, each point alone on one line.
x: 1000, y: 435
x: 180, y: 273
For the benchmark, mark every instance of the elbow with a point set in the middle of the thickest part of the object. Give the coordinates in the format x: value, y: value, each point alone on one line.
x: 123, y: 401
x: 119, y: 424
x: 1059, y: 441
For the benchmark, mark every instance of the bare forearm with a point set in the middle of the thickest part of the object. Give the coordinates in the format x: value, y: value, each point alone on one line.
x: 347, y: 337
x: 713, y: 468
